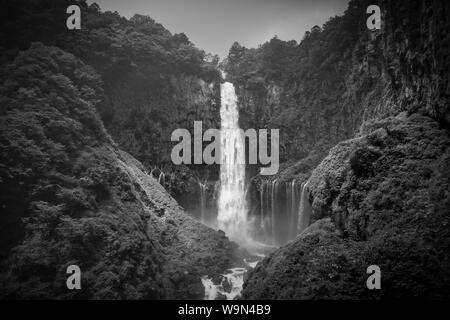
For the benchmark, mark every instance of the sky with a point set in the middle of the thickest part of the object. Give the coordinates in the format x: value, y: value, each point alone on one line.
x: 214, y: 25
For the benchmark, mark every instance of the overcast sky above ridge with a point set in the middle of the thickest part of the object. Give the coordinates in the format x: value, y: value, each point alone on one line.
x: 213, y: 25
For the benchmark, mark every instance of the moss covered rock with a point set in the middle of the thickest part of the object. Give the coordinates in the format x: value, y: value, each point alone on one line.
x: 382, y: 199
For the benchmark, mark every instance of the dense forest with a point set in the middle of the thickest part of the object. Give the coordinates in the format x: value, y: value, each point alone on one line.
x: 153, y: 81
x: 320, y: 90
x: 86, y: 119
x: 69, y: 194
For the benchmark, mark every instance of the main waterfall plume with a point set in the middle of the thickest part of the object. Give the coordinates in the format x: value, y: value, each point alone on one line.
x: 232, y: 217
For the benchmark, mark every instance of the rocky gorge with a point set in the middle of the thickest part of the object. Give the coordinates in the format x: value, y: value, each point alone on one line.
x: 87, y: 179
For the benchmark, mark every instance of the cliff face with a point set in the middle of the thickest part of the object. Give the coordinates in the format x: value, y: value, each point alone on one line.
x: 381, y: 198
x: 318, y: 92
x: 71, y: 196
x: 415, y: 44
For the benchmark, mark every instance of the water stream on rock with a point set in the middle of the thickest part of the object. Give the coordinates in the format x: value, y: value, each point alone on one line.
x: 274, y: 210
x: 292, y: 209
x: 305, y: 209
x: 162, y: 179
x: 202, y: 202
x: 229, y: 285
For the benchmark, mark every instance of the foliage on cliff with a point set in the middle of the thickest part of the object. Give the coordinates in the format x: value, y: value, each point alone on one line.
x: 379, y: 199
x: 319, y: 91
x: 153, y: 81
x: 70, y: 196
x: 383, y: 197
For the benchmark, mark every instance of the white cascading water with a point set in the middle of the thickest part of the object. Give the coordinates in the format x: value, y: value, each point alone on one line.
x: 304, y: 209
x: 202, y: 201
x: 290, y: 200
x: 234, y: 278
x: 230, y: 283
x: 162, y: 179
x: 293, y: 217
x: 261, y: 200
x: 274, y: 210
x: 232, y: 216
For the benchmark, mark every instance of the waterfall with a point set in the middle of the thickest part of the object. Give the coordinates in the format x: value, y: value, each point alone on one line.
x: 232, y: 217
x: 279, y: 210
x: 202, y: 201
x: 162, y: 178
x: 261, y: 200
x: 304, y: 208
x: 293, y: 211
x: 290, y: 199
x: 267, y: 218
x: 216, y: 189
x: 274, y: 201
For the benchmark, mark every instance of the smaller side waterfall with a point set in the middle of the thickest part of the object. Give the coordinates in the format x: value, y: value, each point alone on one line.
x: 216, y: 189
x: 278, y: 215
x: 267, y: 217
x: 304, y: 208
x: 288, y: 202
x: 262, y: 204
x: 162, y: 179
x: 292, y: 205
x: 274, y: 209
x: 202, y: 201
x: 264, y: 226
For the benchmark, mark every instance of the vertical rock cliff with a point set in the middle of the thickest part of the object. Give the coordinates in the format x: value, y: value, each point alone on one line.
x: 382, y: 197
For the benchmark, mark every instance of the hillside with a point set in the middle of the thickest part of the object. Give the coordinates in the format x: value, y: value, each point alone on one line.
x: 71, y: 196
x: 153, y: 81
x: 379, y: 199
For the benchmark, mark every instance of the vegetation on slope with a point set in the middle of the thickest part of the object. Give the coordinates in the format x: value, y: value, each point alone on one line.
x: 153, y: 81
x: 70, y: 196
x: 379, y: 199
x: 319, y: 91
x: 383, y: 197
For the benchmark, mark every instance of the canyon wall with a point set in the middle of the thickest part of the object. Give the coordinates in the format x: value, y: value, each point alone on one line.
x: 381, y: 197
